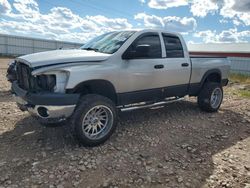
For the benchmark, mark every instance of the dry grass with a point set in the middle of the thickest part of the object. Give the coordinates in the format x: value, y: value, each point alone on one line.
x: 240, y: 78
x: 240, y: 85
x: 4, y: 62
x: 244, y: 93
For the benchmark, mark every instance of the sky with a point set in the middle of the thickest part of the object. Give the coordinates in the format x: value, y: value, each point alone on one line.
x: 199, y: 21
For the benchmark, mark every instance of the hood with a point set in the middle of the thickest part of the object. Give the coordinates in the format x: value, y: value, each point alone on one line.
x: 57, y: 57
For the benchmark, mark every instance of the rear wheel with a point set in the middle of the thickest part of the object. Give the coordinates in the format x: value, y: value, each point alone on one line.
x: 210, y: 97
x: 94, y: 120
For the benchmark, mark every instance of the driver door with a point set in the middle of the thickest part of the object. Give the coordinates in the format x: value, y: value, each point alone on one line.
x: 141, y: 72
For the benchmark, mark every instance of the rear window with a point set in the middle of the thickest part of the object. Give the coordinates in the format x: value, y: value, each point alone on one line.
x: 173, y: 47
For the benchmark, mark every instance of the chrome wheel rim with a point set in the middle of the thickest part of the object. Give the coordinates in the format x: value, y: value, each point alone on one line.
x: 97, y: 122
x: 216, y: 98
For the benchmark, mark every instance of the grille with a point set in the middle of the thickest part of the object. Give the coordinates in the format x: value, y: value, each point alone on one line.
x: 33, y: 84
x: 23, y: 76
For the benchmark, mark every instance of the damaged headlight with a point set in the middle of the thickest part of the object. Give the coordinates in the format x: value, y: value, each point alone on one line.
x: 53, y: 81
x: 46, y: 82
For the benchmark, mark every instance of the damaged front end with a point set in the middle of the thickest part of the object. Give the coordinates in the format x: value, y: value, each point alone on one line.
x: 21, y: 73
x: 43, y: 95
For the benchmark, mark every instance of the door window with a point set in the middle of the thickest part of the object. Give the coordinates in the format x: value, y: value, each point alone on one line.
x: 173, y: 47
x: 153, y: 43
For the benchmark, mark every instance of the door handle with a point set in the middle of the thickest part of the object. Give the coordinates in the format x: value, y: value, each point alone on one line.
x: 159, y: 66
x: 184, y: 64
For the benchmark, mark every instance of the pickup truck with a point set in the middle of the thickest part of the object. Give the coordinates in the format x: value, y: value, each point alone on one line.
x: 117, y: 71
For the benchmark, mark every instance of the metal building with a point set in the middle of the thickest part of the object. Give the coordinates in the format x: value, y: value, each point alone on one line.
x: 237, y: 53
x: 15, y: 45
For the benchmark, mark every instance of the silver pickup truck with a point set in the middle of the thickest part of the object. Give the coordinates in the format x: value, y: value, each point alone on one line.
x: 117, y: 71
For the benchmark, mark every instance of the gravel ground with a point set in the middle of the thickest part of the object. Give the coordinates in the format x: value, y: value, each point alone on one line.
x: 174, y: 146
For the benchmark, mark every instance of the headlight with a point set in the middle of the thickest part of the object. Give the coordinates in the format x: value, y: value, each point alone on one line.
x: 53, y: 81
x: 46, y: 82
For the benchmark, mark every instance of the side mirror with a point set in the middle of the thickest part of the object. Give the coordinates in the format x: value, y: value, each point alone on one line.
x: 140, y: 51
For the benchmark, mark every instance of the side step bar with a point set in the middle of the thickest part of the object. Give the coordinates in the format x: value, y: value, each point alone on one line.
x: 136, y: 107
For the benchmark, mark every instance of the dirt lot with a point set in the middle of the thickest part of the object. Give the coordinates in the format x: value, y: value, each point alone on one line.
x: 174, y: 146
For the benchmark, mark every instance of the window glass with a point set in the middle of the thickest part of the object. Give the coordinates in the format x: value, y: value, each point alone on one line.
x: 173, y: 46
x: 108, y: 42
x: 153, y: 41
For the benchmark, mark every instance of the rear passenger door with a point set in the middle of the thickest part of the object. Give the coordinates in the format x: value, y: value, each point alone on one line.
x: 177, y: 67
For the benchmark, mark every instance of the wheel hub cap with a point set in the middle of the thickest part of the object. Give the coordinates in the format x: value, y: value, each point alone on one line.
x: 216, y: 98
x: 97, y: 122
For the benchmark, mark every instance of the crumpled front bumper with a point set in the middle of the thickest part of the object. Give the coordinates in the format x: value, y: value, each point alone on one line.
x: 46, y: 106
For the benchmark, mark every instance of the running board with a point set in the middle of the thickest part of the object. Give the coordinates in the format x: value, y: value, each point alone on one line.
x: 136, y: 107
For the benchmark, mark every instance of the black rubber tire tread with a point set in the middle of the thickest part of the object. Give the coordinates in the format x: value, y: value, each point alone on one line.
x: 87, y: 102
x: 205, y: 95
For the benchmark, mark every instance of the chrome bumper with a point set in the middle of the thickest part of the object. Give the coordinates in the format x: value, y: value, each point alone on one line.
x: 52, y: 107
x: 52, y: 112
x: 46, y: 112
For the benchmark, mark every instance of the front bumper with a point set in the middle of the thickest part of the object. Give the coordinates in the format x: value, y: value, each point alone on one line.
x: 47, y: 106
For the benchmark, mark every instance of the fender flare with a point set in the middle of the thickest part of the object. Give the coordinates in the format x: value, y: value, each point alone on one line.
x: 209, y: 72
x: 103, y: 87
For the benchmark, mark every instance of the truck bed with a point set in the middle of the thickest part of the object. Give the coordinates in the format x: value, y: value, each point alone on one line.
x: 202, y: 64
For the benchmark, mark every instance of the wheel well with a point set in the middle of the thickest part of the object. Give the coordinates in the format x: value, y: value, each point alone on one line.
x: 101, y: 87
x: 210, y: 76
x: 213, y: 77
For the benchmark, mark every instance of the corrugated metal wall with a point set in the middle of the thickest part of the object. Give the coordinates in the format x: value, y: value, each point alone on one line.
x: 16, y: 46
x: 240, y: 65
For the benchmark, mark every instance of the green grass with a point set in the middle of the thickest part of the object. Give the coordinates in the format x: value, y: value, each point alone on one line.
x: 241, y: 78
x: 244, y: 93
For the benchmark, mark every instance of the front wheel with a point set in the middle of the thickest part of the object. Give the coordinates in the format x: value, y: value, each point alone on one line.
x: 210, y: 97
x: 94, y: 120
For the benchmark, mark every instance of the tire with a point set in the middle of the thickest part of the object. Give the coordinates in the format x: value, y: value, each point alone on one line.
x: 94, y: 120
x: 210, y: 97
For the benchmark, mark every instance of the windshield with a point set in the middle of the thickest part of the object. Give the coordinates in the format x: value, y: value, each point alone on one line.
x: 108, y: 42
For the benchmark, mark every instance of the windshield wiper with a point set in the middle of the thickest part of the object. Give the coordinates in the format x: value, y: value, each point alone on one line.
x: 91, y: 49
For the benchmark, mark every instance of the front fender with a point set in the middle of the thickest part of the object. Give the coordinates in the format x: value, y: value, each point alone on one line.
x: 79, y: 74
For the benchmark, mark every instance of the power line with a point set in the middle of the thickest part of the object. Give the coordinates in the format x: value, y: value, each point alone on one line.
x: 120, y: 12
x: 102, y: 9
